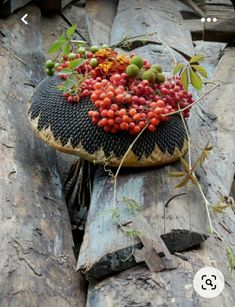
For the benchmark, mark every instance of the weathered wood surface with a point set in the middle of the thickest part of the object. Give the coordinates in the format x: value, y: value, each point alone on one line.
x: 195, y: 27
x: 100, y: 16
x: 141, y: 287
x: 151, y: 188
x: 37, y: 261
x: 195, y: 7
x: 137, y: 18
x: 224, y: 29
x: 77, y: 15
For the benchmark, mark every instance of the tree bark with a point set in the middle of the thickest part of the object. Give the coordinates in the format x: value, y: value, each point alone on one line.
x: 37, y: 260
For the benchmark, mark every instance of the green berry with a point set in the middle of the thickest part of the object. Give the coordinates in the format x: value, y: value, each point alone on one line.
x: 157, y: 67
x: 71, y: 56
x: 148, y: 75
x: 81, y: 50
x: 94, y: 49
x: 50, y: 64
x: 132, y: 70
x: 137, y: 60
x: 104, y: 46
x: 160, y: 78
x: 50, y: 72
x: 94, y: 62
x: 56, y: 65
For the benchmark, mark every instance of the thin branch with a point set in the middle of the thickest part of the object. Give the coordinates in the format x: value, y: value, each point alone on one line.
x: 167, y: 47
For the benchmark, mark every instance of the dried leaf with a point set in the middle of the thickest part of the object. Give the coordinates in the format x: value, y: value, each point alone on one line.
x: 193, y: 178
x: 185, y: 165
x: 176, y: 174
x: 220, y: 207
x: 184, y: 78
x: 205, y: 153
x: 196, y: 58
x: 178, y: 67
x: 195, y: 79
x: 183, y: 182
x: 201, y: 70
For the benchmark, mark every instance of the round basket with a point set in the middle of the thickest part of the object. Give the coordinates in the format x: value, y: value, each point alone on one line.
x: 68, y: 128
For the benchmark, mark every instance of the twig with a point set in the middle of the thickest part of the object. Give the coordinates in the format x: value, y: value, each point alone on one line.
x: 7, y: 146
x: 167, y: 47
x: 19, y: 59
x: 169, y: 200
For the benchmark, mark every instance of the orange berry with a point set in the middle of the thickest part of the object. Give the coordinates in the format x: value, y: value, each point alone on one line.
x: 151, y: 128
x: 110, y: 113
x: 160, y: 103
x: 126, y: 118
x: 110, y: 122
x: 136, y: 117
x: 155, y: 121
x: 124, y: 126
x: 122, y: 112
x: 132, y: 112
x: 150, y: 114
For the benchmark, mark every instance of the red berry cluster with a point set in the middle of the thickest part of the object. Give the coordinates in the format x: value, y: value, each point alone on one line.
x: 175, y: 95
x: 120, y: 108
x: 125, y: 103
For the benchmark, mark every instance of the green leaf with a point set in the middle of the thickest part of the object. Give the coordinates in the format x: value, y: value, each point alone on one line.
x: 133, y: 233
x: 184, y: 78
x: 67, y: 49
x: 80, y: 43
x: 71, y: 30
x: 66, y: 70
x: 195, y: 79
x: 131, y: 203
x: 201, y: 70
x: 177, y: 174
x: 230, y: 258
x: 196, y: 58
x: 68, y: 84
x: 58, y: 44
x: 178, y: 68
x: 76, y: 63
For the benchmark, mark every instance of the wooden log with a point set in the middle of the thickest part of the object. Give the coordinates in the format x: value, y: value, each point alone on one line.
x: 134, y: 19
x: 100, y: 16
x: 163, y: 17
x: 195, y: 27
x: 74, y: 15
x: 224, y: 29
x: 53, y: 5
x: 9, y: 6
x: 141, y: 287
x: 151, y: 188
x: 37, y: 260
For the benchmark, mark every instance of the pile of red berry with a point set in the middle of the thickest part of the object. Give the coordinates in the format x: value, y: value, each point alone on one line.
x: 127, y: 92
